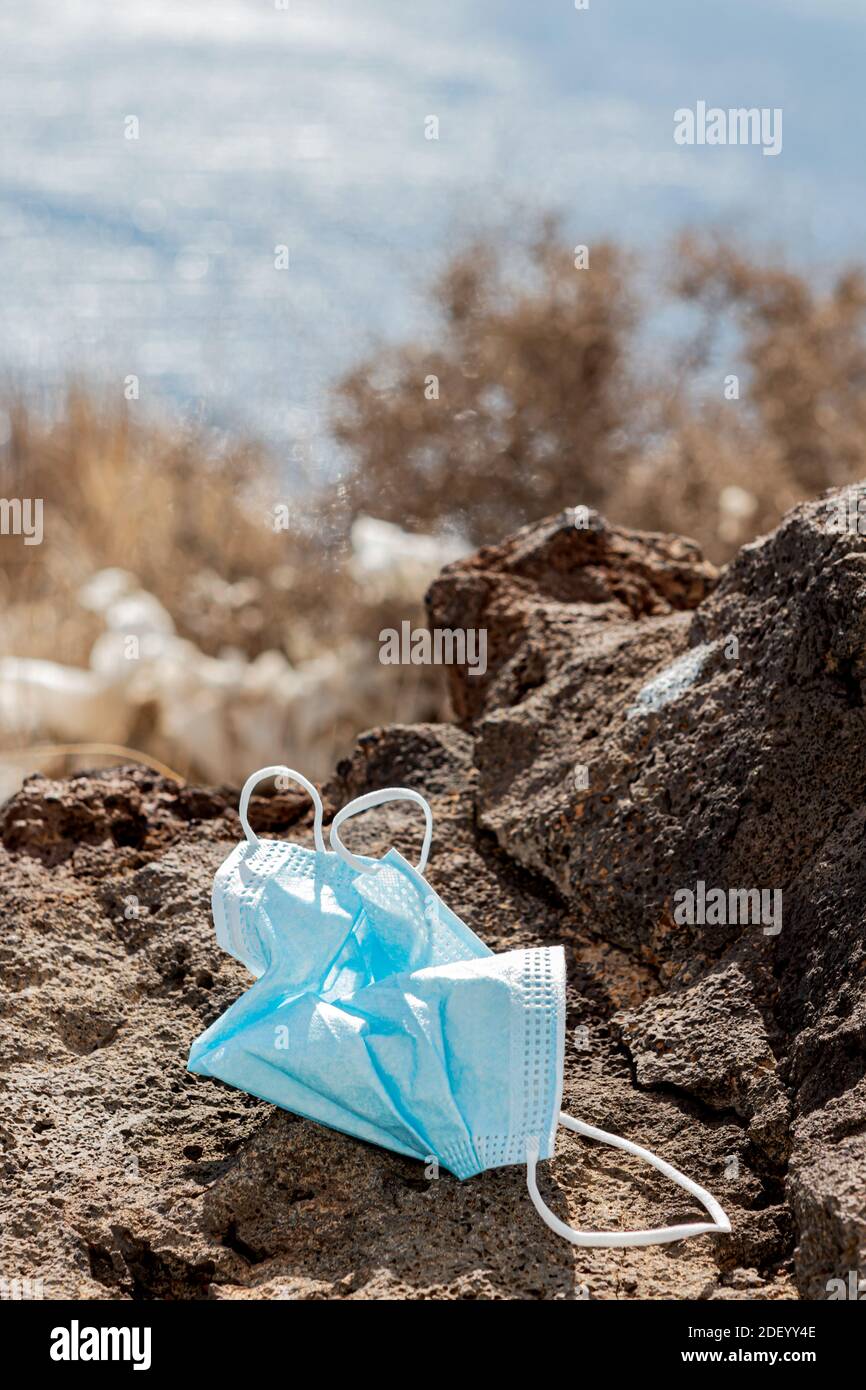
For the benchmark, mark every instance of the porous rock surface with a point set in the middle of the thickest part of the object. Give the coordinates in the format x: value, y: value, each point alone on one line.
x: 619, y: 748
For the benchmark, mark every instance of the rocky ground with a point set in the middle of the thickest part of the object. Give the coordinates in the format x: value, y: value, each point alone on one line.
x: 644, y: 724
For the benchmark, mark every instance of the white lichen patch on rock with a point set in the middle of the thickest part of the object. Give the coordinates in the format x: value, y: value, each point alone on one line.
x: 672, y: 682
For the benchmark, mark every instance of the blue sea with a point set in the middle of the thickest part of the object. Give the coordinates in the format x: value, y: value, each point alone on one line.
x: 155, y: 156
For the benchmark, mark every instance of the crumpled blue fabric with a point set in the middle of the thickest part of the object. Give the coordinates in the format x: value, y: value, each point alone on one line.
x: 377, y: 1011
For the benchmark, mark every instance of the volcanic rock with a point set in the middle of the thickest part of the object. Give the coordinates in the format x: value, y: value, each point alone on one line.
x: 644, y: 724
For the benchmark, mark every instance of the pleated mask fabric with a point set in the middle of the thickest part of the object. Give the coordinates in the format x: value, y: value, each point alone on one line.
x: 378, y: 1012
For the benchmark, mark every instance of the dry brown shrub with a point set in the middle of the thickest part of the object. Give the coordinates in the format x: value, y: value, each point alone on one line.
x: 534, y: 403
x: 553, y: 392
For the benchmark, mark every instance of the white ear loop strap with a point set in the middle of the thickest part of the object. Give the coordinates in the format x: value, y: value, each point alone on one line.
x: 662, y: 1235
x: 259, y: 776
x: 363, y: 803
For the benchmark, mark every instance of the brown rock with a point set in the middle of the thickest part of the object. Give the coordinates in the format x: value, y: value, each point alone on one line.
x: 733, y: 1051
x: 722, y: 746
x: 128, y: 1177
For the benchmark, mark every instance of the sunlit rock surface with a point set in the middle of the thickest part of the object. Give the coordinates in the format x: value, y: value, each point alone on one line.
x: 567, y: 809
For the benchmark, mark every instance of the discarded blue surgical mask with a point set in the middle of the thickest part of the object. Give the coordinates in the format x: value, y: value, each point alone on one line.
x: 378, y: 1012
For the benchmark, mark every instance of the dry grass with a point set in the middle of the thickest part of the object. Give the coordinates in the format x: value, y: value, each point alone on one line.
x: 192, y: 517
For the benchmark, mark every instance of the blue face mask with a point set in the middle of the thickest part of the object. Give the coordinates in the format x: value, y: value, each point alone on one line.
x: 378, y: 1012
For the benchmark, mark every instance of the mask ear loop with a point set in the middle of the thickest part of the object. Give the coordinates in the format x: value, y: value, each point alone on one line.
x: 259, y: 776
x: 363, y: 803
x: 662, y: 1235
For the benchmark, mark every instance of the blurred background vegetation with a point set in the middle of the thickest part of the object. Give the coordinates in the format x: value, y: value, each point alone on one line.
x: 542, y: 386
x: 554, y: 391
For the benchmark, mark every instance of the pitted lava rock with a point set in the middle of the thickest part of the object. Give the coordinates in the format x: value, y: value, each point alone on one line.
x: 644, y: 723
x: 722, y: 746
